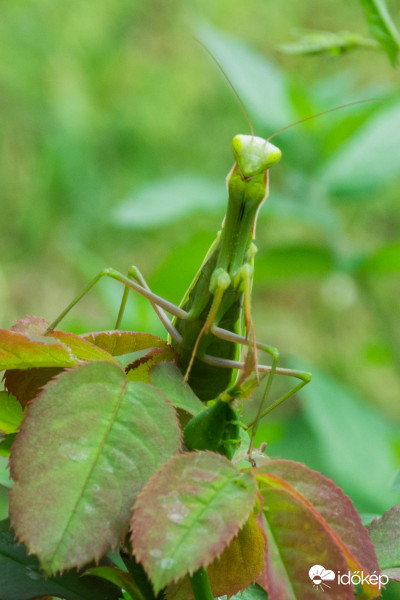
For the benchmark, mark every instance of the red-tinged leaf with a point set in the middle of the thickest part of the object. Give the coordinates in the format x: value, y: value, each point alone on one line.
x: 26, y: 384
x: 296, y: 541
x: 80, y: 347
x: 385, y: 535
x: 26, y: 345
x: 238, y: 566
x: 118, y: 342
x: 296, y: 529
x: 88, y: 444
x: 188, y: 513
x: 168, y: 378
x: 30, y: 326
x: 10, y: 413
x: 335, y: 508
x: 19, y: 352
x: 139, y: 370
x: 35, y: 329
x: 125, y: 343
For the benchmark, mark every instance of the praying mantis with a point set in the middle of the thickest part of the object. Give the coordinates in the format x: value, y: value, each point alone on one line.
x: 206, y: 325
x: 214, y: 318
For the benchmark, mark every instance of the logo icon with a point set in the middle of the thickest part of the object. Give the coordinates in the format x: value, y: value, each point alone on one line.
x: 319, y: 575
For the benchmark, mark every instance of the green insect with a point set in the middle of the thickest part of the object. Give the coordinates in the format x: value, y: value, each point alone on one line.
x: 214, y: 320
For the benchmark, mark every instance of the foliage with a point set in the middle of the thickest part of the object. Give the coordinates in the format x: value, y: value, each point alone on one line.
x: 99, y: 439
x: 75, y: 147
x: 383, y: 534
x: 381, y: 26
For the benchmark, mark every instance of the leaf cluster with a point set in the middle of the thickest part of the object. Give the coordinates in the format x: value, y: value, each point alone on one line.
x: 97, y: 465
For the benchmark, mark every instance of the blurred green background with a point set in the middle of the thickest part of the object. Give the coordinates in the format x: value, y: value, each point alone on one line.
x: 115, y: 142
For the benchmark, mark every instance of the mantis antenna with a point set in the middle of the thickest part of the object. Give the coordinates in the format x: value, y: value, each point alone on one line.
x: 246, y: 114
x: 320, y: 115
x: 229, y: 82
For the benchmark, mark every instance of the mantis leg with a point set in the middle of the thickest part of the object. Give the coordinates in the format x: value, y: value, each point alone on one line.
x: 262, y: 412
x: 227, y: 363
x: 129, y: 283
x: 134, y: 273
x: 220, y: 281
x: 244, y: 280
x: 271, y: 370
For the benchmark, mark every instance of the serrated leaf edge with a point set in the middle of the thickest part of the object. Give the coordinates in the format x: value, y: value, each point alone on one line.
x: 352, y: 562
x: 19, y: 536
x: 199, y: 563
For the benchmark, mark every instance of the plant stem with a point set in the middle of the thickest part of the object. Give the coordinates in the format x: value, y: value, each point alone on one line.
x: 201, y: 585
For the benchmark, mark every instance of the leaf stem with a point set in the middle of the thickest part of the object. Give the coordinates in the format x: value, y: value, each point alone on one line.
x: 201, y: 585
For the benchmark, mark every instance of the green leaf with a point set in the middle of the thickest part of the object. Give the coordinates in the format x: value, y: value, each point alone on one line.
x: 382, y: 28
x: 396, y: 481
x: 385, y: 534
x: 168, y: 378
x: 21, y: 578
x: 312, y: 41
x: 6, y: 442
x: 286, y: 262
x: 4, y: 503
x: 140, y: 577
x: 385, y: 260
x: 254, y: 592
x: 119, y: 578
x: 216, y: 428
x: 10, y: 413
x: 5, y: 479
x: 259, y: 82
x: 133, y: 357
x: 137, y: 352
x: 370, y: 157
x: 353, y: 441
x: 238, y: 566
x: 188, y: 513
x: 165, y: 201
x: 90, y: 442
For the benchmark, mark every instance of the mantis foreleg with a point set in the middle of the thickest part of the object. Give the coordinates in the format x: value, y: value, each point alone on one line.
x: 160, y: 304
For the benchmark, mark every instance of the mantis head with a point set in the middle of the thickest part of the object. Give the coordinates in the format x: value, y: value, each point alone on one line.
x: 254, y: 155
